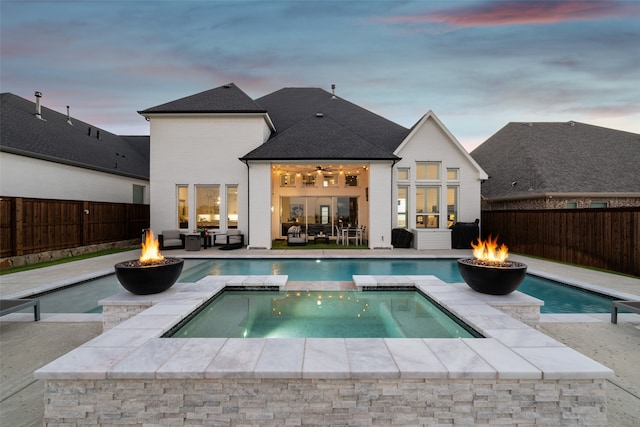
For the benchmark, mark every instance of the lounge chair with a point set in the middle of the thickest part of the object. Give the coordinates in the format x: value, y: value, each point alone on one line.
x: 12, y: 305
x: 632, y: 306
x: 235, y: 240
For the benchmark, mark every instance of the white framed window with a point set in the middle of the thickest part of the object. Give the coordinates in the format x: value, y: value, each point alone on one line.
x: 232, y: 206
x: 403, y: 206
x: 452, y: 205
x: 428, y: 171
x: 453, y: 174
x: 403, y: 174
x: 208, y: 206
x: 182, y: 205
x: 428, y: 206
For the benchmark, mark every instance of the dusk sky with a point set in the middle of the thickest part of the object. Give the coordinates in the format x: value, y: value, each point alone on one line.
x: 477, y: 64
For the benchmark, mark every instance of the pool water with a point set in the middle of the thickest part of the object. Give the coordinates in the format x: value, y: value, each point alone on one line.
x: 324, y: 314
x: 558, y: 297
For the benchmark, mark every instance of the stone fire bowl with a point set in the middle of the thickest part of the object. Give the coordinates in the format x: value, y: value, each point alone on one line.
x: 501, y: 279
x: 145, y: 279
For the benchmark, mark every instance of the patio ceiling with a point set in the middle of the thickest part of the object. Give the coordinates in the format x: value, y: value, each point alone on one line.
x: 323, y: 168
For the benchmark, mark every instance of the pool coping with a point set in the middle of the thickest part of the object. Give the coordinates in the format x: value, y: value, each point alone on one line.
x: 134, y: 349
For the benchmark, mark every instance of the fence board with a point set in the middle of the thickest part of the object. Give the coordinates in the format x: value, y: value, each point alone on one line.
x: 601, y: 238
x: 39, y: 225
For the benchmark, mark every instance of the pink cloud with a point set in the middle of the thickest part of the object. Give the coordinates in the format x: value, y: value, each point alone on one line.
x: 521, y: 12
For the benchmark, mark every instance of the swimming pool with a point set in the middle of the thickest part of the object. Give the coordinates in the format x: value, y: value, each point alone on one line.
x: 320, y: 314
x: 558, y: 297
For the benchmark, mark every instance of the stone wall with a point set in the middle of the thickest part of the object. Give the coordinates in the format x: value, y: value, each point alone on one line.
x: 337, y: 402
x: 29, y: 259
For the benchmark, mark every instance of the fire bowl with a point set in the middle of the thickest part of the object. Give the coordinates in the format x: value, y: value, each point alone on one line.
x: 492, y: 278
x: 149, y: 278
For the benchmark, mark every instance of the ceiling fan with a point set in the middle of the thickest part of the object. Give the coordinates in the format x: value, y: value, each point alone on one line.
x: 322, y: 169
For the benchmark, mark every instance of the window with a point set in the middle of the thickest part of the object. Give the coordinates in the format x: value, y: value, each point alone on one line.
x: 208, y: 206
x: 572, y: 205
x: 403, y: 174
x: 309, y: 180
x: 452, y: 205
x: 232, y: 206
x: 403, y: 195
x: 428, y: 170
x: 138, y: 194
x: 351, y: 180
x: 598, y: 205
x: 287, y: 180
x: 329, y: 181
x: 453, y: 174
x: 427, y: 207
x: 182, y: 193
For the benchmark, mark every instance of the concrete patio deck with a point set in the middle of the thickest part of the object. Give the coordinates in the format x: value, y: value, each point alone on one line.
x: 615, y: 346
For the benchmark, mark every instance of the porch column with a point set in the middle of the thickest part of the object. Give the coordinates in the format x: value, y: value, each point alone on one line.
x: 260, y: 205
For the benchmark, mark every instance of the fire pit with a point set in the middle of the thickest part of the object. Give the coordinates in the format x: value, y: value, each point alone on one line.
x: 489, y: 272
x: 151, y: 273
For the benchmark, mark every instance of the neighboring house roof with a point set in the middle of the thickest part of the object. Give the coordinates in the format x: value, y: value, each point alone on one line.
x: 224, y: 99
x: 312, y: 123
x: 526, y: 160
x: 52, y: 138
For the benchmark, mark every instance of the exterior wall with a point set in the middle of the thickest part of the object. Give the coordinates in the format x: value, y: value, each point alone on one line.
x: 431, y: 143
x: 260, y: 212
x: 381, y: 203
x: 201, y: 150
x: 560, y: 202
x: 22, y: 176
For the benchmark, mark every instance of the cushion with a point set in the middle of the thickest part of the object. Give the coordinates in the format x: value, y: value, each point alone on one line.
x: 170, y: 234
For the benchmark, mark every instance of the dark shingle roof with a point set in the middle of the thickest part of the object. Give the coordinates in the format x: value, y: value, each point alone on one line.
x: 54, y: 139
x: 344, y: 130
x: 570, y: 157
x: 224, y: 99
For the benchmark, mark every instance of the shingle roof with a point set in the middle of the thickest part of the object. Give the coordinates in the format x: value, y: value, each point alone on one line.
x: 224, y: 99
x: 54, y: 139
x: 311, y: 123
x: 543, y: 158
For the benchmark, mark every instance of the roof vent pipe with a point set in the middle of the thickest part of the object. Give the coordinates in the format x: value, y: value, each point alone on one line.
x: 69, y: 116
x: 333, y: 91
x: 38, y: 108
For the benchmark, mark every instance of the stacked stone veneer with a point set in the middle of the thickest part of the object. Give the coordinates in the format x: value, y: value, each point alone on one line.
x: 514, y: 376
x: 325, y: 402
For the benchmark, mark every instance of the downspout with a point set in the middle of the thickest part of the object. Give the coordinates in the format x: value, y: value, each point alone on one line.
x: 392, y: 203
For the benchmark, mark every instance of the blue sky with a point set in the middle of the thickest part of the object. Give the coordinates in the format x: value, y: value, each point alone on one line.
x: 477, y: 64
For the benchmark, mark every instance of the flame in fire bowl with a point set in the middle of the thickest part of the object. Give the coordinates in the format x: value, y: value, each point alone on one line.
x: 151, y: 273
x: 490, y: 272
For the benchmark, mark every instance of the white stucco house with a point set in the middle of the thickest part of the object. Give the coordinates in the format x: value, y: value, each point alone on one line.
x: 304, y: 156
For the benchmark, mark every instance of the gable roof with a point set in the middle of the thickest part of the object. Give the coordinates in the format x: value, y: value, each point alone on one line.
x: 533, y: 159
x: 223, y: 99
x: 430, y: 115
x: 52, y: 138
x: 313, y: 123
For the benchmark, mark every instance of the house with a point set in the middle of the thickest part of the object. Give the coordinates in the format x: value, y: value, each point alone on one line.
x: 559, y: 165
x: 49, y: 155
x: 305, y: 157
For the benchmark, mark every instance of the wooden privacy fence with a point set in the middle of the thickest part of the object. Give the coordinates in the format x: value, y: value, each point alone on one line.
x: 38, y: 225
x: 601, y: 238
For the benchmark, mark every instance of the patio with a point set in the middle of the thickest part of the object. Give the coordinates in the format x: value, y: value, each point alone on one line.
x: 623, y: 380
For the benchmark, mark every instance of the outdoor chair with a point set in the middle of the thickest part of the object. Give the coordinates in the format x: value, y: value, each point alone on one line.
x: 171, y: 239
x: 296, y: 237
